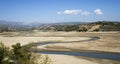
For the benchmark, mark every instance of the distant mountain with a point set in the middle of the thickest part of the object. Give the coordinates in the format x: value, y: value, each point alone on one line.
x: 69, y: 23
x: 62, y: 26
x: 59, y: 23
x: 10, y: 23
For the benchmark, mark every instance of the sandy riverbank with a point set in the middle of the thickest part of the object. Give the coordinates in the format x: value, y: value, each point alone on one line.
x: 65, y: 59
x: 108, y: 42
x: 8, y: 41
x: 56, y: 59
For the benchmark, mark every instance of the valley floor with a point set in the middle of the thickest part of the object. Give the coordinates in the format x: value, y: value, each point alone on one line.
x: 108, y: 42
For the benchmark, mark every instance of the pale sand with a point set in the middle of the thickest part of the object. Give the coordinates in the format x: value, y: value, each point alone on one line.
x: 108, y: 42
x: 8, y: 41
x: 82, y: 46
x: 56, y: 59
x: 65, y: 59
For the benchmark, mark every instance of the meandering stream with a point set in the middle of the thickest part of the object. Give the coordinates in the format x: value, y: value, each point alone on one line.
x: 112, y: 56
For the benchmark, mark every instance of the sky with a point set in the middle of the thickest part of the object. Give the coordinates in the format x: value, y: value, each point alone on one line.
x: 53, y: 11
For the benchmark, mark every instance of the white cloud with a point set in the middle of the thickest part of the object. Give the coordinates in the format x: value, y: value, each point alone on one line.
x: 70, y: 12
x: 98, y: 11
x: 80, y: 12
x: 85, y: 13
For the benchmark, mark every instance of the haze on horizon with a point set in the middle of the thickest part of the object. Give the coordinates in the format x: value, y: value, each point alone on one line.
x: 53, y: 11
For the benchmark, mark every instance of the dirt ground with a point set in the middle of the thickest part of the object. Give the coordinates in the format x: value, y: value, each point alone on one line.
x: 109, y: 42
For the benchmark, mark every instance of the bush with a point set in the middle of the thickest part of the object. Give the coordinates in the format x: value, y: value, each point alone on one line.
x: 19, y: 55
x: 4, y: 51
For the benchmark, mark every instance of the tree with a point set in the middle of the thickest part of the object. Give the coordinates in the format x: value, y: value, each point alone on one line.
x: 4, y: 51
x: 19, y: 55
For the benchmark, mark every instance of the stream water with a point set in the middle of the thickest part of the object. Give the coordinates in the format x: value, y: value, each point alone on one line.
x: 112, y: 56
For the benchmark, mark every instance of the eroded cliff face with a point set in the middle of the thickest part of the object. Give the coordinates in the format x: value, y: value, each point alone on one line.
x: 94, y: 28
x: 89, y: 28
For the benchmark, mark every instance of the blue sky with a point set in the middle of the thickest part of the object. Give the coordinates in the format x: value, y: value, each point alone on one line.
x: 50, y: 11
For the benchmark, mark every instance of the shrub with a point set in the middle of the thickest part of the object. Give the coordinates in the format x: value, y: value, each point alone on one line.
x: 19, y: 55
x: 4, y: 51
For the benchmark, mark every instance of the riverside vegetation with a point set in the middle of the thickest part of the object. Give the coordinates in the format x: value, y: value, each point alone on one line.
x: 20, y: 55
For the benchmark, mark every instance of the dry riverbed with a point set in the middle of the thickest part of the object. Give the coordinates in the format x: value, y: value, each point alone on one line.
x: 108, y: 42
